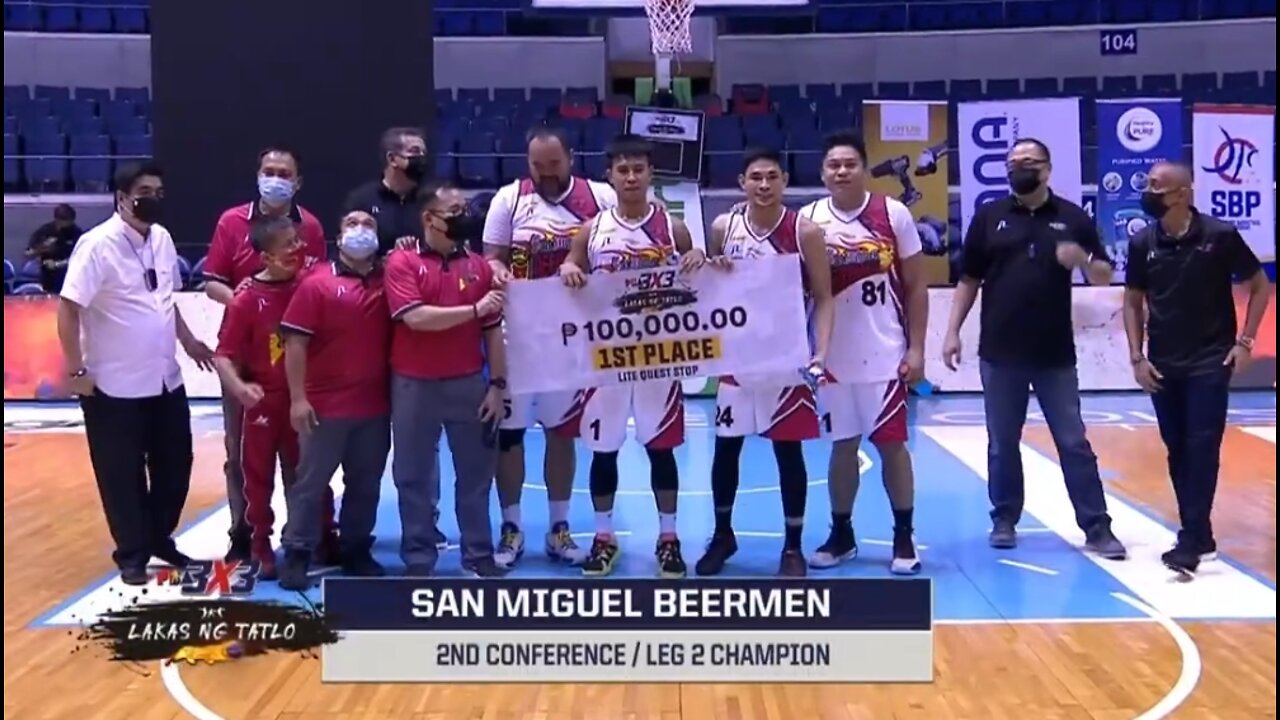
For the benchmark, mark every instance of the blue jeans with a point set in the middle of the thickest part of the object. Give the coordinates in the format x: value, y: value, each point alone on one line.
x: 1006, y: 395
x: 1192, y: 414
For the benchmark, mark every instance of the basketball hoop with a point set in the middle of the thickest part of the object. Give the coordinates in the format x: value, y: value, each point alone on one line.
x: 669, y: 26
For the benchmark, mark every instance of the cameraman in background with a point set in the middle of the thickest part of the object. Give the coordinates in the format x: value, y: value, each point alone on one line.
x: 51, y: 244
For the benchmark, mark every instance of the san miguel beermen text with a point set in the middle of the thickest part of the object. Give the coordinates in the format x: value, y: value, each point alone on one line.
x: 638, y: 345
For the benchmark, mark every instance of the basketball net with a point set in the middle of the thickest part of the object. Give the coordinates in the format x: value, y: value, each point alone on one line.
x: 669, y: 34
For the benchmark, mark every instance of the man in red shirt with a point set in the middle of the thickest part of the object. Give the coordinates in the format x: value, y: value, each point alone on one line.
x: 337, y: 337
x: 250, y: 363
x: 449, y: 322
x: 232, y: 260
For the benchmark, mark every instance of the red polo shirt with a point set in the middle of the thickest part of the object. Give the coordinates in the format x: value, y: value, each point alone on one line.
x: 231, y: 256
x: 428, y: 278
x: 250, y: 337
x: 345, y: 315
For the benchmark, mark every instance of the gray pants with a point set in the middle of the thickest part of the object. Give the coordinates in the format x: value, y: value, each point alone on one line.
x: 420, y: 410
x: 232, y: 418
x: 360, y: 448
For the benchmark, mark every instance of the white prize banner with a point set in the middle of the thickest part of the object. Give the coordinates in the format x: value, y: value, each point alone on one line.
x: 1235, y: 170
x: 988, y: 130
x: 656, y: 325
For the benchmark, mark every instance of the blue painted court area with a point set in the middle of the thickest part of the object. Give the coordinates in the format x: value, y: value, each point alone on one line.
x: 1047, y: 577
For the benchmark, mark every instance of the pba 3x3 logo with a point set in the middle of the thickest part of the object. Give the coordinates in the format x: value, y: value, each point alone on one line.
x: 209, y: 578
x: 654, y: 292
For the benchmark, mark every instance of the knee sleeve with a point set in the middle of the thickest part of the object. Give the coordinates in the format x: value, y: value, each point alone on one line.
x: 793, y: 478
x: 663, y: 474
x: 510, y: 439
x: 604, y: 474
x: 724, y: 471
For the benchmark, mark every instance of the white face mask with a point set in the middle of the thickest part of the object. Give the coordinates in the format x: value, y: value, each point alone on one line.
x: 359, y: 242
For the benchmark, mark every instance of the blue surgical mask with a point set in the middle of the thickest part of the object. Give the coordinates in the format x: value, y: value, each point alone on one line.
x: 359, y: 242
x: 274, y: 190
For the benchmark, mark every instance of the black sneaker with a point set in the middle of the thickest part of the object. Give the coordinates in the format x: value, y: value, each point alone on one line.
x: 670, y: 561
x: 239, y: 551
x: 171, y: 556
x: 906, y: 561
x: 840, y: 546
x: 1103, y: 543
x: 293, y: 571
x: 484, y: 567
x: 362, y: 564
x: 721, y: 547
x: 792, y: 564
x: 1004, y: 536
x: 134, y: 576
x: 602, y: 558
x: 1182, y: 560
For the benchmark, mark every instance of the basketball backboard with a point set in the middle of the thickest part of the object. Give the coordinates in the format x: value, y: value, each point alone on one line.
x: 677, y: 139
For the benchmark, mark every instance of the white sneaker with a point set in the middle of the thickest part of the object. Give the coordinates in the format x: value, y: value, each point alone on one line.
x: 510, y: 546
x: 561, y: 547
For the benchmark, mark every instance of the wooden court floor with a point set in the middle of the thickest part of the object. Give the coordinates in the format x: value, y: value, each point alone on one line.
x: 55, y: 543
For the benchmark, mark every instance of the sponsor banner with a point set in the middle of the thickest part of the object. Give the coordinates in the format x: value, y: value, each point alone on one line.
x: 33, y: 365
x: 988, y: 130
x: 1133, y: 135
x: 657, y: 325
x: 1235, y: 170
x: 907, y: 158
x: 684, y: 200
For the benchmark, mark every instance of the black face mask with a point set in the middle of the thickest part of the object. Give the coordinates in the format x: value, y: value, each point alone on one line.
x: 147, y: 209
x: 1153, y: 204
x: 1024, y: 181
x: 463, y: 228
x: 416, y: 168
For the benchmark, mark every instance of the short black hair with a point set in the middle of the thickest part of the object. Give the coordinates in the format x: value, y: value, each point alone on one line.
x: 265, y: 232
x: 1044, y: 149
x: 281, y: 150
x: 429, y: 192
x: 549, y: 132
x: 127, y: 176
x: 628, y: 146
x: 845, y: 138
x: 393, y: 139
x: 756, y: 154
x: 64, y: 212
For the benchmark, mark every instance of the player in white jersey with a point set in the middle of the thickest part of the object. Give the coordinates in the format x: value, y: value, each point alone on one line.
x: 780, y: 408
x: 636, y: 234
x: 527, y: 235
x: 877, y: 344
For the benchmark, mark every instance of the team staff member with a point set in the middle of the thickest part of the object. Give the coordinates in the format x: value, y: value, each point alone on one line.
x: 1022, y: 251
x: 52, y: 243
x: 118, y: 300
x: 392, y: 198
x: 527, y: 234
x: 231, y: 261
x: 1180, y: 272
x: 337, y: 336
x: 448, y: 322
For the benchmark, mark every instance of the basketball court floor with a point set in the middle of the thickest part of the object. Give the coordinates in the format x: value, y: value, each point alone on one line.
x: 1043, y: 631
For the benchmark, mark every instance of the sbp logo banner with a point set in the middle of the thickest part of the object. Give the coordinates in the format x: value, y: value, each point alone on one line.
x: 657, y: 325
x: 988, y: 131
x: 1133, y: 135
x: 1235, y: 170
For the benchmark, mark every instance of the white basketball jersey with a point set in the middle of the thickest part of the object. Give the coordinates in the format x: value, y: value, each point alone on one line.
x: 617, y: 244
x: 865, y: 250
x: 542, y: 231
x: 741, y: 242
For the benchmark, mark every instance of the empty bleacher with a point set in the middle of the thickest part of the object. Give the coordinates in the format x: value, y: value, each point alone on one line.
x: 488, y: 18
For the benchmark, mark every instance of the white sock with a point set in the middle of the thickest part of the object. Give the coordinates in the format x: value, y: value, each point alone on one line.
x: 604, y: 524
x: 559, y: 511
x: 667, y: 523
x: 511, y: 514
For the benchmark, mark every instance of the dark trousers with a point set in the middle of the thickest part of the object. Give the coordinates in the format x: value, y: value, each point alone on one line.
x: 359, y: 447
x: 141, y: 453
x: 232, y: 421
x: 420, y: 411
x: 1006, y: 394
x: 1192, y: 414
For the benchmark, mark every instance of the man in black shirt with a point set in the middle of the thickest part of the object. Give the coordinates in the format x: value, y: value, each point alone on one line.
x: 1180, y: 270
x: 1022, y: 251
x: 391, y: 198
x: 51, y: 244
